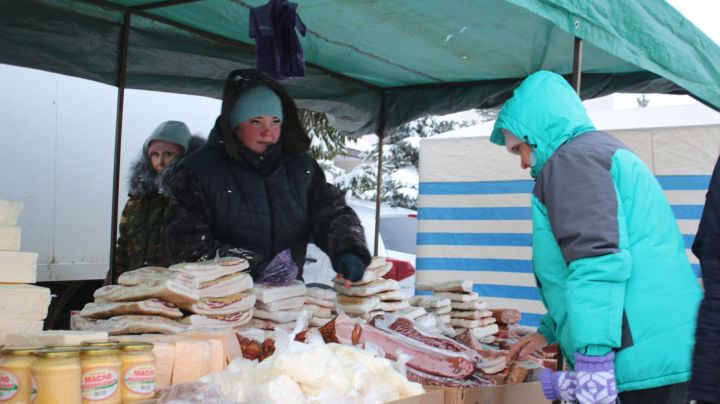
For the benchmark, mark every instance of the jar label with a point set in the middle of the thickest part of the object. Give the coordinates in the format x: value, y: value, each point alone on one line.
x: 33, y: 390
x: 140, y: 379
x: 99, y: 384
x: 9, y: 384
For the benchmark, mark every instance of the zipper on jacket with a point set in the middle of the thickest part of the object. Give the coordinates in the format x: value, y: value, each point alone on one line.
x: 272, y: 217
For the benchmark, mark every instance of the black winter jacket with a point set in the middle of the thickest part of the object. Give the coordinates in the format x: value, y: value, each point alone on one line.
x: 705, y: 382
x: 228, y: 200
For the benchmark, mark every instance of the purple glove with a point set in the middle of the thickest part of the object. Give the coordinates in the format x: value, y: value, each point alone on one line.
x: 595, y: 379
x: 558, y: 385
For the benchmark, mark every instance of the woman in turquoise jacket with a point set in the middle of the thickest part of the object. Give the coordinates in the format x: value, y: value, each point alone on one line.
x: 608, y: 256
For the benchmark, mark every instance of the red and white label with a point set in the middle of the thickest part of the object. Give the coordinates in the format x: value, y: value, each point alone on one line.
x: 140, y: 379
x: 99, y: 384
x: 9, y: 384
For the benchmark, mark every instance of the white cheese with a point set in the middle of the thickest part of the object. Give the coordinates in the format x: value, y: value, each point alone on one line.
x: 54, y: 337
x: 23, y: 302
x: 18, y: 267
x: 9, y: 212
x: 18, y: 327
x: 10, y: 238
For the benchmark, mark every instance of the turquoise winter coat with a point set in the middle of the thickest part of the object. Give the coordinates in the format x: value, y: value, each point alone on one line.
x: 607, y: 253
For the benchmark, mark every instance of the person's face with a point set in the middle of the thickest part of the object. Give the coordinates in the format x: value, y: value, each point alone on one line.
x: 524, y: 151
x: 258, y: 133
x: 161, y: 159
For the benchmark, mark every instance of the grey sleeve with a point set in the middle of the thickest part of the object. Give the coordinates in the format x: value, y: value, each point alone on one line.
x: 579, y: 194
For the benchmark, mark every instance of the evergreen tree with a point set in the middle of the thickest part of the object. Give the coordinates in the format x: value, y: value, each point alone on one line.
x: 326, y: 141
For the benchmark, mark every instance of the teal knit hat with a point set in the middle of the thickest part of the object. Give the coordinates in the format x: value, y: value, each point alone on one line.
x: 170, y: 131
x: 256, y: 101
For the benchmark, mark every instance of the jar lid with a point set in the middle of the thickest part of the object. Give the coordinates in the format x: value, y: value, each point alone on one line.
x: 101, y: 343
x: 98, y: 350
x: 65, y: 352
x: 135, y: 346
x: 19, y: 351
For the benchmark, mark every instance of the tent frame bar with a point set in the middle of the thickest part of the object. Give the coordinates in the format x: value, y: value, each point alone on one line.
x: 577, y: 64
x: 378, y: 192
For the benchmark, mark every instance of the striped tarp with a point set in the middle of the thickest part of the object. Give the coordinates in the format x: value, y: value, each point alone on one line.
x: 474, y: 220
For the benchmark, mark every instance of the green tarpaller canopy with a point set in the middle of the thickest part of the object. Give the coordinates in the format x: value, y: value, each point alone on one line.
x: 424, y: 57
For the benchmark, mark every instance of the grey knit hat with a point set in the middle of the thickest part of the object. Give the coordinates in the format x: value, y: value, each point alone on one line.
x: 170, y: 131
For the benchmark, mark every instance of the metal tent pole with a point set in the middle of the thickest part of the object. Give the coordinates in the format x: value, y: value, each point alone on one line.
x: 378, y: 194
x: 122, y: 68
x: 577, y: 64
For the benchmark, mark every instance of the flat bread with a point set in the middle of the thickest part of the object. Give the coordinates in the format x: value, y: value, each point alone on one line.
x: 152, y: 307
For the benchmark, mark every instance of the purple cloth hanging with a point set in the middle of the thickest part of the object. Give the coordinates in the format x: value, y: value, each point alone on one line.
x: 278, y: 50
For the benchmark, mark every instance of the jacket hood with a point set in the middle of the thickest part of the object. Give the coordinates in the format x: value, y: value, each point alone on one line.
x: 144, y: 181
x: 544, y: 112
x: 293, y: 137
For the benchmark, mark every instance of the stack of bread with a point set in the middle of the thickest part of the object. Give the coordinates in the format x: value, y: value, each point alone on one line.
x: 278, y: 306
x: 23, y: 307
x: 372, y: 295
x: 467, y: 310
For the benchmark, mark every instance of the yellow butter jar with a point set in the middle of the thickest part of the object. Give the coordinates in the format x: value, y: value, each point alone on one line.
x: 16, y: 384
x: 57, y: 375
x: 100, y: 379
x: 137, y: 371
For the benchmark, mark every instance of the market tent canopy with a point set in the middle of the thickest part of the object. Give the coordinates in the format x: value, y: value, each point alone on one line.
x: 372, y: 64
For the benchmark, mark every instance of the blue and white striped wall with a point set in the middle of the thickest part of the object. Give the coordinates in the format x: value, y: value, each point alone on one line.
x: 474, y: 219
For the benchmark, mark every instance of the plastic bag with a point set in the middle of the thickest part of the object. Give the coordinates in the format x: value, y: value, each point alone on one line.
x: 205, y: 393
x: 280, y: 271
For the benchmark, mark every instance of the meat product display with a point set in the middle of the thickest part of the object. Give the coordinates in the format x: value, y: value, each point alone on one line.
x: 148, y: 274
x: 321, y: 293
x: 411, y: 312
x: 320, y: 302
x: 236, y: 303
x: 155, y: 307
x: 377, y: 269
x: 394, y: 296
x: 357, y: 305
x: 318, y: 311
x: 213, y: 269
x: 429, y: 301
x: 506, y: 316
x: 226, y: 285
x: 341, y: 330
x: 168, y: 291
x: 278, y: 316
x: 284, y: 304
x: 215, y: 321
x: 457, y: 297
x: 127, y: 324
x: 475, y: 380
x: 461, y: 286
x: 268, y: 294
x: 368, y: 289
x: 270, y: 325
x: 473, y: 305
x: 472, y: 315
x: 393, y: 306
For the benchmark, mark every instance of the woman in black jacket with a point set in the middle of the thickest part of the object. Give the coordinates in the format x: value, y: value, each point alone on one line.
x: 705, y: 382
x: 253, y: 191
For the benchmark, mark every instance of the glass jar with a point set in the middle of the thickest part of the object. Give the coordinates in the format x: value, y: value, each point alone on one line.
x: 57, y: 374
x: 137, y: 371
x: 100, y: 380
x: 16, y: 384
x: 101, y: 343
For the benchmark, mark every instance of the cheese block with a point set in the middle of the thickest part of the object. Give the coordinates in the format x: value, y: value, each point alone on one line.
x: 268, y: 294
x: 472, y: 314
x: 19, y: 327
x: 457, y: 297
x: 18, y: 267
x: 320, y: 302
x: 219, y: 321
x: 473, y: 305
x: 10, y: 238
x: 449, y: 286
x: 213, y: 269
x: 9, y: 212
x: 282, y: 316
x: 369, y: 289
x: 321, y: 293
x: 429, y: 301
x: 227, y: 285
x: 143, y: 275
x: 394, y: 296
x: 284, y: 304
x: 23, y: 302
x: 230, y: 344
x: 357, y: 305
x: 192, y: 360
x: 377, y: 269
x: 169, y: 291
x: 223, y: 305
x: 54, y: 337
x: 148, y: 307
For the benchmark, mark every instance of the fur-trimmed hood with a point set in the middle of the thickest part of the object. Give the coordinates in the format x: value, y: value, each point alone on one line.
x: 145, y: 182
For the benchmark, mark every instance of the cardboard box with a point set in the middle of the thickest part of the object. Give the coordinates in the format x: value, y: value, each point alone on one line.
x: 525, y: 393
x: 431, y: 397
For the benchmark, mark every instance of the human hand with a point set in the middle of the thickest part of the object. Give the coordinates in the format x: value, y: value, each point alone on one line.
x: 350, y: 266
x: 595, y: 379
x: 525, y: 346
x: 558, y: 385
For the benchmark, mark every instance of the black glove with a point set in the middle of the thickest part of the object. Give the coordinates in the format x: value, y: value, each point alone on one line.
x: 350, y: 266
